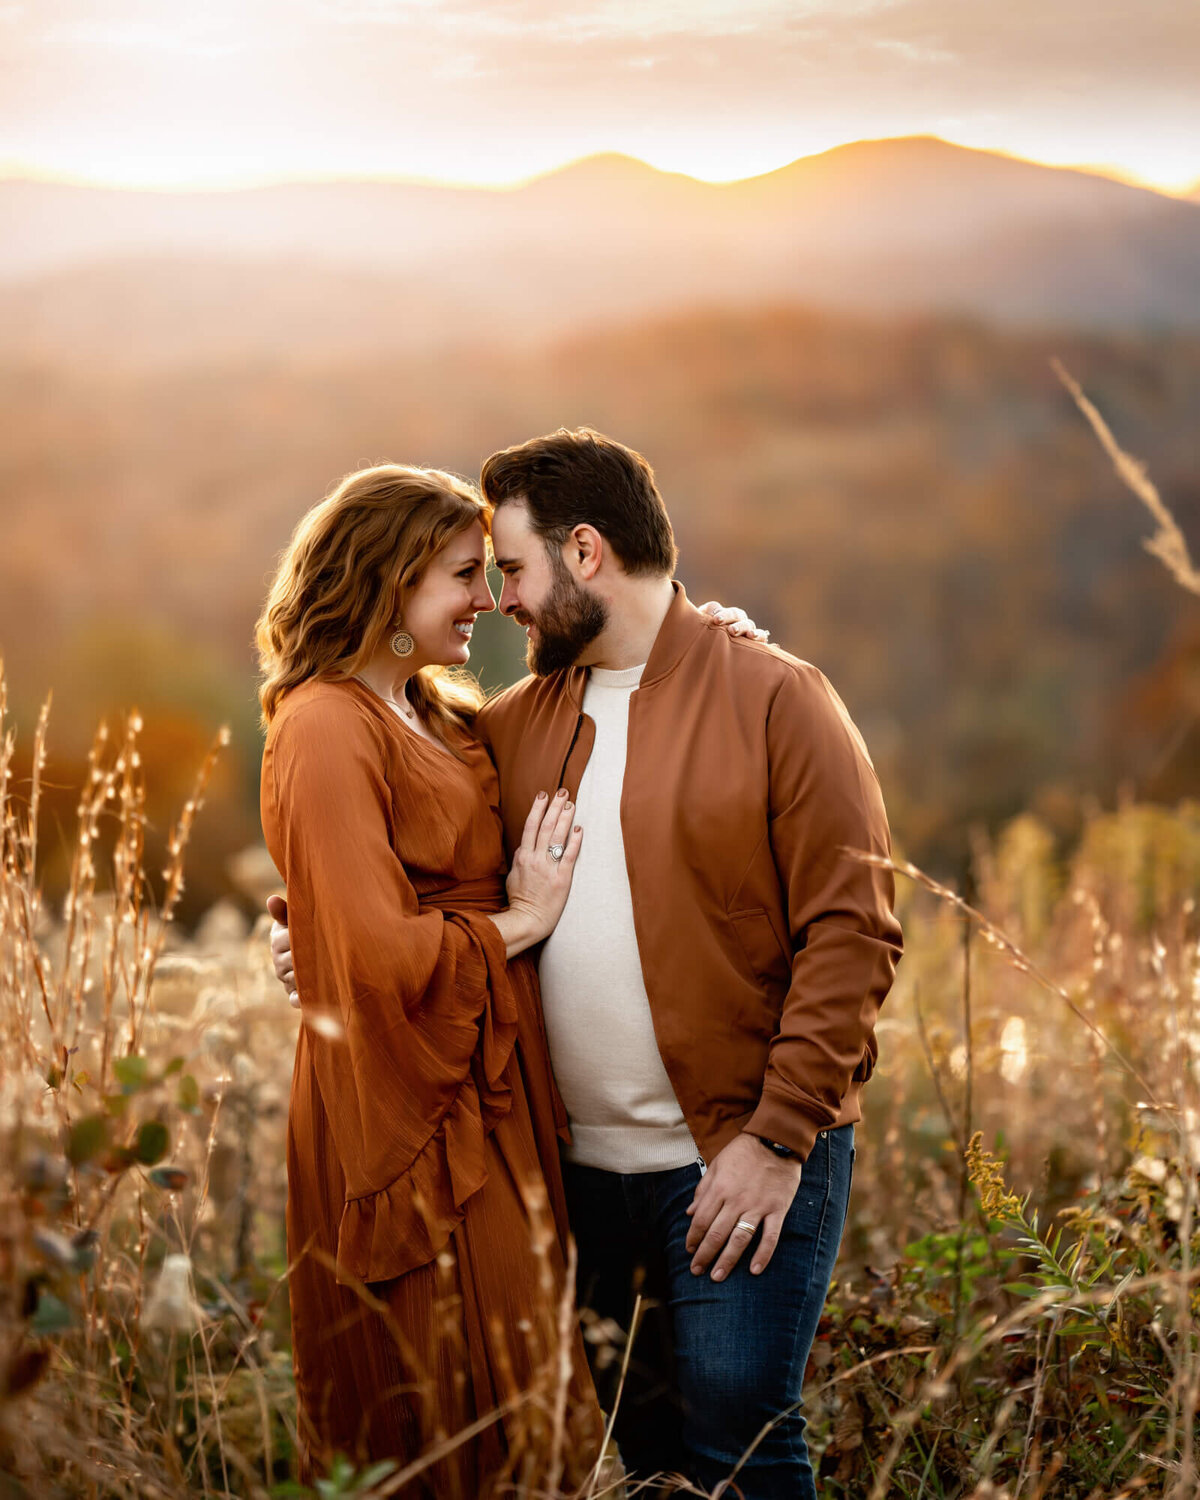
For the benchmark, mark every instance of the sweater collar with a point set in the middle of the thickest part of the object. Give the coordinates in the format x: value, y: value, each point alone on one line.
x: 681, y: 626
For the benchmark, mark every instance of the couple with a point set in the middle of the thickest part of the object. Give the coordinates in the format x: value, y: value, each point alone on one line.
x: 709, y: 981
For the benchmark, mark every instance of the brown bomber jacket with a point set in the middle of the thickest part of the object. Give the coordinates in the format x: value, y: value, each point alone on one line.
x: 766, y: 950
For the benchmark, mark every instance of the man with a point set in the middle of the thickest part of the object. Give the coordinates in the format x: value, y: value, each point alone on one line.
x: 711, y: 989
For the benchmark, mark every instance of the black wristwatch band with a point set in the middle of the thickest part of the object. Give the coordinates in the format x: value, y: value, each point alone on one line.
x: 777, y: 1146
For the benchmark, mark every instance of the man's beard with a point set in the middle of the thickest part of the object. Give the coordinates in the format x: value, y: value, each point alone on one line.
x: 568, y: 621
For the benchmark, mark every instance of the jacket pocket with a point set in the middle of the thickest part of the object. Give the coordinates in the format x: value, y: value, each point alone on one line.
x: 762, y: 949
x: 866, y: 1063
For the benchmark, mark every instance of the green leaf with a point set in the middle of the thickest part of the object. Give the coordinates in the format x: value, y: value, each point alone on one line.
x: 1022, y: 1289
x: 88, y: 1137
x: 52, y: 1316
x: 341, y: 1477
x: 153, y: 1141
x: 173, y: 1067
x: 189, y: 1094
x: 375, y: 1473
x: 132, y: 1073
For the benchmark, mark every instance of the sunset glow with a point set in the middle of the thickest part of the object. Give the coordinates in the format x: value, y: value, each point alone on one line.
x: 461, y: 91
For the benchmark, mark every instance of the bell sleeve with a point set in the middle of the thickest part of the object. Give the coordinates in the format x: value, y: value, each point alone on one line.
x: 409, y: 1017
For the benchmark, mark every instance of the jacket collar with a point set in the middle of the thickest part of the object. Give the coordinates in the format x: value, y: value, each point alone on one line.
x: 680, y: 629
x: 681, y: 626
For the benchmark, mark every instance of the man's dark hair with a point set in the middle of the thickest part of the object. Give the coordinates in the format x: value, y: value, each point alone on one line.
x: 582, y: 478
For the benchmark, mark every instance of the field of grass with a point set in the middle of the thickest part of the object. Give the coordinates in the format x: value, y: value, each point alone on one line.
x: 1015, y: 1308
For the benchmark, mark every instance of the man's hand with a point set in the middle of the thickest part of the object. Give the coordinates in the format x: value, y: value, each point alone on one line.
x: 281, y: 949
x: 746, y: 1184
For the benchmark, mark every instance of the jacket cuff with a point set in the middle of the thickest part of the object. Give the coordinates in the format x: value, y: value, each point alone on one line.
x: 779, y: 1118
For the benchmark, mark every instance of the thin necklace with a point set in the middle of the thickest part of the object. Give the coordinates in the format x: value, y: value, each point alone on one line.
x: 405, y: 708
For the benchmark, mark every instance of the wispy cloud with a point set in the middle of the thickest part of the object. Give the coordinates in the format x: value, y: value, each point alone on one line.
x: 914, y: 51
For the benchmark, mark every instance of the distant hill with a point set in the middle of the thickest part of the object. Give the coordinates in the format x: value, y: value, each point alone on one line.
x: 330, y: 269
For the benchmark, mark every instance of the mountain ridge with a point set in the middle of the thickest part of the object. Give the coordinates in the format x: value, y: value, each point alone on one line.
x: 612, y: 161
x: 895, y: 226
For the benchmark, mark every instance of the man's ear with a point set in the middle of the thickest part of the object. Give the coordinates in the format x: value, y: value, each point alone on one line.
x: 585, y: 551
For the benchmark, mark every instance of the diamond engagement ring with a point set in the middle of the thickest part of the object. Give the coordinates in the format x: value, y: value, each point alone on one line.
x: 556, y: 852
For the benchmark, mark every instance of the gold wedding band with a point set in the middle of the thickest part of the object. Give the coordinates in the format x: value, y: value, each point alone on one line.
x: 746, y: 1225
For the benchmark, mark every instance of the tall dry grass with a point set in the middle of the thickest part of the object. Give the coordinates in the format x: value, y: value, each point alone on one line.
x: 1015, y: 1308
x: 135, y: 1130
x: 1021, y: 1319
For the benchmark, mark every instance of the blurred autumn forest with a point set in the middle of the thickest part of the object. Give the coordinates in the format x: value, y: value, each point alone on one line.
x: 916, y: 506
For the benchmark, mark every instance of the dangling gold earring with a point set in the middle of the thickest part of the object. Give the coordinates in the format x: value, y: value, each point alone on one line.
x: 402, y: 643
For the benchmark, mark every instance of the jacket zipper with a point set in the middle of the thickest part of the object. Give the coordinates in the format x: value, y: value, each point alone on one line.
x: 562, y: 775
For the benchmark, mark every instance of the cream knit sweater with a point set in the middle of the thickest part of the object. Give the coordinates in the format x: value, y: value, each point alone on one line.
x: 624, y: 1114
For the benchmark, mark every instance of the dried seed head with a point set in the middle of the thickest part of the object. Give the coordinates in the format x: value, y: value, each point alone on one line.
x: 171, y: 1305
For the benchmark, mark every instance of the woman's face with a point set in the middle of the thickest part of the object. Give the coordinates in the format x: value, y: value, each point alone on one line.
x: 439, y: 611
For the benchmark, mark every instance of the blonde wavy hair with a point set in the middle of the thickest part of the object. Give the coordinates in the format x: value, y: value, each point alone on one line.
x: 338, y: 590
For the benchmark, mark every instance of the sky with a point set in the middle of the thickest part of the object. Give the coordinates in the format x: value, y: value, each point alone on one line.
x: 171, y: 94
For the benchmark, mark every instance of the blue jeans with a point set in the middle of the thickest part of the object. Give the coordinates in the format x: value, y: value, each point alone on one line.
x: 713, y: 1362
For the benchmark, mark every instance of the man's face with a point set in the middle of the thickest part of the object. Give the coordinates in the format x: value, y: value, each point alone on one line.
x: 560, y: 616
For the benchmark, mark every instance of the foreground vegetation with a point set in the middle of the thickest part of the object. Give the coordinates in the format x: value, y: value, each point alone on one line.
x: 1016, y: 1313
x: 1015, y: 1307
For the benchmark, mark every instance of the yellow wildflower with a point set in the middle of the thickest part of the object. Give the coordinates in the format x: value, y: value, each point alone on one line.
x: 987, y: 1173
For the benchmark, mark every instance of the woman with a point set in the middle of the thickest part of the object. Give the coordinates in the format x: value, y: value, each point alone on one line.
x: 426, y: 1225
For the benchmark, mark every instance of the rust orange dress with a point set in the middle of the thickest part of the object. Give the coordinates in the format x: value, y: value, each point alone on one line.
x: 426, y: 1222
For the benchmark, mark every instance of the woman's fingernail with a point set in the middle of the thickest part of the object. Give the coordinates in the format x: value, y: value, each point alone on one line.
x: 562, y: 791
x: 567, y: 806
x: 541, y: 796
